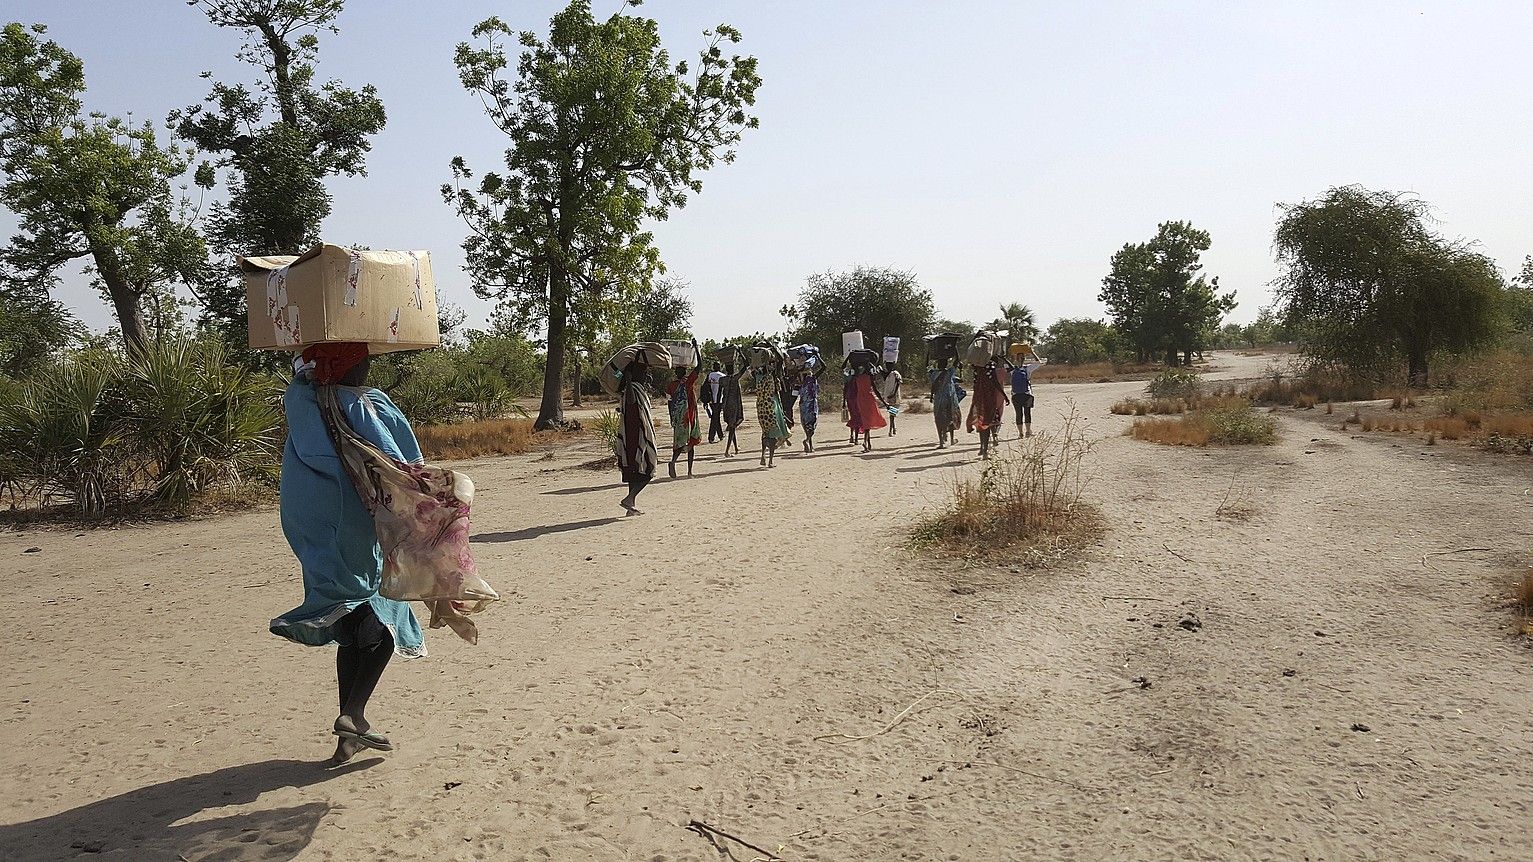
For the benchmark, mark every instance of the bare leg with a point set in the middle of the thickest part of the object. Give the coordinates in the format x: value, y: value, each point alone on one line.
x: 763, y: 450
x: 675, y: 453
x: 691, y: 451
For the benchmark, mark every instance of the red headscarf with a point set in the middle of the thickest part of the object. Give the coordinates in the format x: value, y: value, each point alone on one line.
x: 333, y: 360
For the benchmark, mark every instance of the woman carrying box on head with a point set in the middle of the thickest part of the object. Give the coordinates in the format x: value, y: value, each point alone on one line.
x: 686, y: 427
x: 333, y: 535
x: 767, y: 362
x: 731, y: 400
x: 865, y: 402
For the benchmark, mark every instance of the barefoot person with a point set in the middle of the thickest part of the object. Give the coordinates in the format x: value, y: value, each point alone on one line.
x: 767, y: 377
x: 686, y: 427
x: 988, y: 408
x: 892, y: 382
x: 732, y: 401
x: 808, y: 385
x: 636, y: 455
x: 713, y: 402
x: 333, y: 535
x: 865, y: 403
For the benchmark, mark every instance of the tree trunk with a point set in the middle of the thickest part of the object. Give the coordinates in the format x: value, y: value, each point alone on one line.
x: 551, y: 411
x: 125, y: 300
x: 1417, y: 365
x: 575, y: 397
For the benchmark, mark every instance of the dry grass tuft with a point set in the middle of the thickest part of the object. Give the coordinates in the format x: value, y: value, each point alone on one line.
x: 1190, y: 430
x: 473, y: 439
x: 917, y: 406
x: 1095, y: 372
x: 1224, y: 421
x: 1026, y: 505
x: 1522, y: 604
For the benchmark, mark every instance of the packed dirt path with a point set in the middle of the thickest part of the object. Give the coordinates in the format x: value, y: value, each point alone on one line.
x: 1337, y: 692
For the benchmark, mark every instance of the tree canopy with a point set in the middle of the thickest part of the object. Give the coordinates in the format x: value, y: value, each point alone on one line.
x: 605, y: 131
x: 277, y: 143
x: 1367, y: 283
x: 1158, y: 299
x: 876, y: 300
x: 1018, y: 320
x: 1074, y: 341
x: 87, y: 186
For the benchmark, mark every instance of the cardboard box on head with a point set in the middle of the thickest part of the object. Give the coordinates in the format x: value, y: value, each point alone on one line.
x: 331, y: 293
x: 891, y: 349
x: 682, y: 354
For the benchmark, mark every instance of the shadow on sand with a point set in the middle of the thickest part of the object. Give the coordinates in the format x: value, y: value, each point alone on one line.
x: 534, y: 532
x: 145, y: 824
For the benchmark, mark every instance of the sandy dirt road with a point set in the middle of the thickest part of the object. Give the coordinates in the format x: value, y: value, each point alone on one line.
x: 646, y: 672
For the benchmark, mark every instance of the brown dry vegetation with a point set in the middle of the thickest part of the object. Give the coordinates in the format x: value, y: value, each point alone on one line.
x: 1310, y: 386
x: 1096, y: 372
x: 1174, y: 406
x: 1024, y: 508
x: 1522, y: 604
x: 1226, y: 421
x: 473, y: 439
x: 918, y: 405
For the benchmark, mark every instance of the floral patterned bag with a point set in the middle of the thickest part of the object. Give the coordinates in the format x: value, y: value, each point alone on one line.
x: 421, y: 514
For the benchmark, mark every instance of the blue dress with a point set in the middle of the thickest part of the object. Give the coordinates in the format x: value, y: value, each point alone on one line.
x: 331, y: 532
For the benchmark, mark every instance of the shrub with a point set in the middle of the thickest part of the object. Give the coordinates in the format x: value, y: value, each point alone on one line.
x: 1224, y: 422
x: 1175, y: 383
x: 424, y: 385
x: 473, y: 439
x: 1026, y: 502
x: 65, y: 435
x: 606, y: 426
x: 916, y: 406
x: 201, y: 420
x: 1309, y: 383
x: 1234, y: 423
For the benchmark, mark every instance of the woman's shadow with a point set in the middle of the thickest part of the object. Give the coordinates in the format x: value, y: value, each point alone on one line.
x: 145, y: 824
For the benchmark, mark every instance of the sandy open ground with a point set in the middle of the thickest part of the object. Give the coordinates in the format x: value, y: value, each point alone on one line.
x: 646, y: 672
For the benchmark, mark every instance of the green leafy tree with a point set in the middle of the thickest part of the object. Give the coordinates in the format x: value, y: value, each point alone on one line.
x: 1518, y: 303
x: 605, y: 132
x: 1075, y: 341
x: 876, y: 300
x: 1158, y: 300
x: 88, y: 186
x: 1368, y: 284
x: 33, y: 327
x: 276, y: 143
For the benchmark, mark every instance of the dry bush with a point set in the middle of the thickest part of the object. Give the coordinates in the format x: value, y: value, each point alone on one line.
x: 1309, y: 383
x: 1236, y: 504
x: 1499, y: 382
x: 917, y: 406
x: 1095, y: 372
x: 1188, y: 430
x: 1026, y: 505
x: 472, y: 439
x: 1227, y: 421
x: 1447, y: 427
x: 1522, y: 603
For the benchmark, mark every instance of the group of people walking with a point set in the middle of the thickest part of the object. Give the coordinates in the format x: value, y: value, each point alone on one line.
x: 352, y: 473
x: 781, y: 380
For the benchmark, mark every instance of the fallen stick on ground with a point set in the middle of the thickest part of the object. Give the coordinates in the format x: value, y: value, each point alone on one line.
x: 1132, y: 598
x: 708, y: 832
x: 1424, y: 557
x: 1174, y: 553
x: 903, y: 714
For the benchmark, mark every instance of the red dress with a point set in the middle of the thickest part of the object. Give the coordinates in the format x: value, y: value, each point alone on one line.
x: 863, y: 409
x: 989, y: 404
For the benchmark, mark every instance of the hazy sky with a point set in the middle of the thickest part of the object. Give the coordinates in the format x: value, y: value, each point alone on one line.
x: 1000, y: 150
